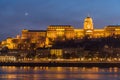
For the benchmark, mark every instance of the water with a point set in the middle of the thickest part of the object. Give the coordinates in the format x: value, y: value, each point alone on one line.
x: 58, y: 73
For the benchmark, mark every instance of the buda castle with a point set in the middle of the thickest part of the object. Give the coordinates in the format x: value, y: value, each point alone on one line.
x: 61, y: 32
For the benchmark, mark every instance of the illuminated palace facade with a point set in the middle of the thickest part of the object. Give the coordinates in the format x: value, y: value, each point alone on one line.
x: 63, y: 32
x: 43, y: 38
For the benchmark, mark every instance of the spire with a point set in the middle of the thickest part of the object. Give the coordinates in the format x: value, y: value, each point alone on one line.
x: 88, y: 15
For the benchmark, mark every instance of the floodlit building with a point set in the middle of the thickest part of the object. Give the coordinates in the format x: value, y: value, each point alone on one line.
x: 34, y: 36
x: 7, y: 58
x: 60, y: 32
x: 112, y: 30
x: 11, y: 43
x: 56, y: 52
x: 45, y: 38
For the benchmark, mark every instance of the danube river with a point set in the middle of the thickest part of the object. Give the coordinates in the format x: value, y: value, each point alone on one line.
x: 58, y: 73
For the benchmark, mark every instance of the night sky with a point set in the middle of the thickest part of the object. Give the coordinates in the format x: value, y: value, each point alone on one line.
x: 16, y: 15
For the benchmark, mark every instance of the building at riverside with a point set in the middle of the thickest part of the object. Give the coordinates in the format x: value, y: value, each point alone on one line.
x: 44, y: 38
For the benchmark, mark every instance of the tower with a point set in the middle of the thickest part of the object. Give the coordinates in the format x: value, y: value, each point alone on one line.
x: 88, y: 27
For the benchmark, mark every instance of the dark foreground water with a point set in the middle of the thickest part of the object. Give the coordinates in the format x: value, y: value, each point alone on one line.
x: 58, y: 73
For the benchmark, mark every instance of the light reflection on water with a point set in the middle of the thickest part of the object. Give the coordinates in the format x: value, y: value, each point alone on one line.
x: 58, y: 73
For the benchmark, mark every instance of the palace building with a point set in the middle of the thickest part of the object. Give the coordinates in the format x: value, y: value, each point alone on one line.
x: 65, y: 32
x: 60, y: 31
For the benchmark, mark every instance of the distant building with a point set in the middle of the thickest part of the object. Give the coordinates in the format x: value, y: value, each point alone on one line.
x: 56, y: 52
x: 112, y: 30
x: 35, y: 36
x: 11, y: 43
x: 45, y: 38
x: 60, y: 31
x: 7, y: 58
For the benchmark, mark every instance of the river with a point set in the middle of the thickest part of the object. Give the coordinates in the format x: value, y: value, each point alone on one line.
x: 58, y: 73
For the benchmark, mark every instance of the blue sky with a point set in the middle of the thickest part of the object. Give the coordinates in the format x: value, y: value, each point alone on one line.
x: 16, y: 15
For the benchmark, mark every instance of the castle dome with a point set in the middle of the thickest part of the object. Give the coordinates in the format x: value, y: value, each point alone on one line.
x: 88, y: 23
x: 88, y: 19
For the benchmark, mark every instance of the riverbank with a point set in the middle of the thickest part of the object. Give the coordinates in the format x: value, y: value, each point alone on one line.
x: 62, y: 64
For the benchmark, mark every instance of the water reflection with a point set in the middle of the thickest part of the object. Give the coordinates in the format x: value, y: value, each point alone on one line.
x: 58, y: 73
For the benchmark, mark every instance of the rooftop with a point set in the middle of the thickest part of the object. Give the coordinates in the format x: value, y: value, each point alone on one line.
x: 113, y: 26
x: 60, y: 25
x: 37, y: 30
